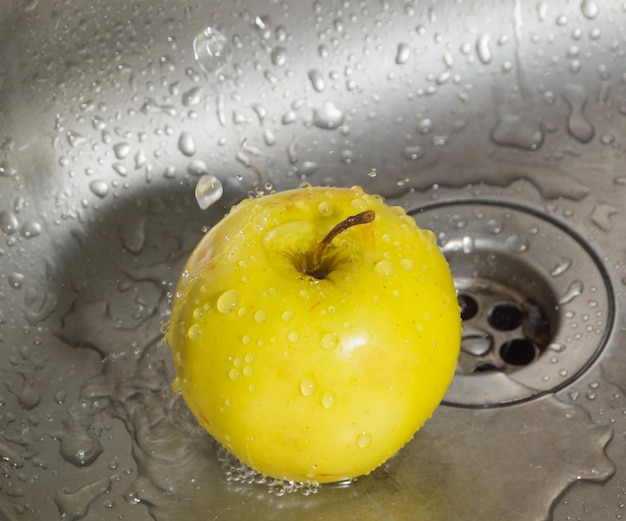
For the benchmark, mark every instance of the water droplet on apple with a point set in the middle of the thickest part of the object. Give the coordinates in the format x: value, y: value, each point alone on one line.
x: 247, y: 370
x: 328, y: 400
x: 307, y: 386
x: 364, y: 440
x: 228, y: 301
x: 325, y: 208
x: 329, y: 341
x: 233, y: 374
x: 245, y: 339
x: 194, y: 332
x: 260, y: 316
x: 407, y: 264
x: 287, y: 316
x: 197, y: 313
x: 384, y: 268
x: 293, y: 336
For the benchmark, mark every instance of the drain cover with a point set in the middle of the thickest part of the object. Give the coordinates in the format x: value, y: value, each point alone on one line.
x: 535, y: 301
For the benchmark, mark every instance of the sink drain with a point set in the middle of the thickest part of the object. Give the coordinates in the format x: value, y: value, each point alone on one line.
x: 535, y: 301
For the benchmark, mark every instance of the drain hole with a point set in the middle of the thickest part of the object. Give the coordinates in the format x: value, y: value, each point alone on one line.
x: 505, y: 316
x: 468, y: 305
x: 518, y: 351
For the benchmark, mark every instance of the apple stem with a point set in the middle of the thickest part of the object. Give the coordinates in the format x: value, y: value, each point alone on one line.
x: 316, y: 269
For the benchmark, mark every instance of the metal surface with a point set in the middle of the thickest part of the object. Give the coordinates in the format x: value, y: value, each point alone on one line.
x: 465, y: 113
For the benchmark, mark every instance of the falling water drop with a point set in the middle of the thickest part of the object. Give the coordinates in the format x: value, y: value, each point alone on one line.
x: 209, y: 190
x: 211, y: 50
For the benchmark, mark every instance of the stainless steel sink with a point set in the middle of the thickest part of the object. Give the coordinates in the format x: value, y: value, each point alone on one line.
x: 499, y: 125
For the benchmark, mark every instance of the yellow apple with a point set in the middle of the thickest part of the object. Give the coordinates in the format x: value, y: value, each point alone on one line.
x: 314, y: 355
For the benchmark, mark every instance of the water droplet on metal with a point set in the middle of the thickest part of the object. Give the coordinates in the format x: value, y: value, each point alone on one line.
x: 75, y: 505
x: 575, y: 289
x: 279, y: 56
x: 8, y: 222
x: 601, y: 216
x: 211, y: 50
x: 16, y: 279
x: 403, y: 53
x: 590, y: 9
x: 30, y: 229
x: 482, y: 49
x: 317, y: 80
x: 517, y: 243
x: 121, y: 150
x: 328, y: 116
x: 186, y: 144
x: 208, y: 191
x: 99, y: 188
x: 561, y: 266
x: 192, y: 96
x: 577, y: 123
x: 495, y: 226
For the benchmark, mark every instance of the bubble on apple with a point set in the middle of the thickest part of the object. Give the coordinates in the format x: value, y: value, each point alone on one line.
x: 314, y: 333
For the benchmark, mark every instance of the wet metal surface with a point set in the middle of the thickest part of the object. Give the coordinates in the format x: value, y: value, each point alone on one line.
x: 127, y: 130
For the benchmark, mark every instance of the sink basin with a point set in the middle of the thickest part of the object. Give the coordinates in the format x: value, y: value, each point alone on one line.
x: 128, y: 130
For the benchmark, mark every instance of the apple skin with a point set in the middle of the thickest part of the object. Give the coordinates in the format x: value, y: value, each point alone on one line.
x: 308, y: 379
